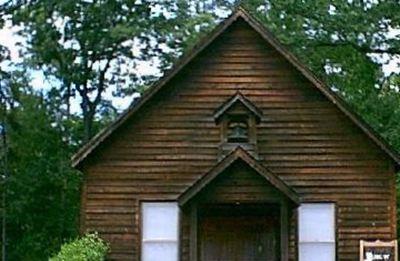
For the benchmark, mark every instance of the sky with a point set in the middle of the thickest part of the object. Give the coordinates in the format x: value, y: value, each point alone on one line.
x: 9, y: 39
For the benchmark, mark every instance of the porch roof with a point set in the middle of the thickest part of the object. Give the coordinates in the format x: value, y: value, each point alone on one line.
x: 238, y: 154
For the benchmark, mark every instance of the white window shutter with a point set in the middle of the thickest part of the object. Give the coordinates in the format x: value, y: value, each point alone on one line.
x: 160, y: 231
x: 317, y: 232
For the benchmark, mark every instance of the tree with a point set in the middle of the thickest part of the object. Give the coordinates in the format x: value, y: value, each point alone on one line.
x: 88, y: 45
x: 42, y: 189
x: 4, y: 103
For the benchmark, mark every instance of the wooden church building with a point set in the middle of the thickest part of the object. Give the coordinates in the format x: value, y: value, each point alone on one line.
x: 238, y: 153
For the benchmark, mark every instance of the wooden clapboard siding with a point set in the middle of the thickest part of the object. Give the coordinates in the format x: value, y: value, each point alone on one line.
x: 303, y: 138
x: 239, y: 183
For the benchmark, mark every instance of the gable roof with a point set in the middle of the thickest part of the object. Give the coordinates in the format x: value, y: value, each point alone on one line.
x: 89, y: 147
x: 238, y: 154
x: 238, y: 97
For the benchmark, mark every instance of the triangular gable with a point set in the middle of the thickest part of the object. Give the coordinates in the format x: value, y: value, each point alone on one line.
x: 238, y: 97
x: 88, y: 148
x: 238, y: 154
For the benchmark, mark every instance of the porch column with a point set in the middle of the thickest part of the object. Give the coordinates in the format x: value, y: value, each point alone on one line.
x: 193, y: 232
x: 284, y: 230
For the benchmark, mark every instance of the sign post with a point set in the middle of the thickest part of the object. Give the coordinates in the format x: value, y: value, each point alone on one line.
x: 378, y: 250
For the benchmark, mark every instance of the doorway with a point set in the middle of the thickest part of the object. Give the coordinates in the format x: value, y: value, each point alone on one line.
x: 239, y: 232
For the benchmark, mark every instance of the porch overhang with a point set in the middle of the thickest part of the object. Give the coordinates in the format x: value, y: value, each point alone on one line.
x: 238, y: 154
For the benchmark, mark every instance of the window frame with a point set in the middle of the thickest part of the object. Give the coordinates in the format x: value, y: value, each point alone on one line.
x: 335, y: 229
x: 141, y: 227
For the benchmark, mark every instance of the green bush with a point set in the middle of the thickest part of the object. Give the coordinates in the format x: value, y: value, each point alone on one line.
x: 88, y: 248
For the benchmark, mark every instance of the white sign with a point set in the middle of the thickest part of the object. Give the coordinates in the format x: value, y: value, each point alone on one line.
x: 378, y: 250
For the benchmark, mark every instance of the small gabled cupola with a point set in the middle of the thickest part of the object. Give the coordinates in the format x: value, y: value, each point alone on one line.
x: 238, y: 118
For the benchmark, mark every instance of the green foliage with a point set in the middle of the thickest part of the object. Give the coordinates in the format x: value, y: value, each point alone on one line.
x: 42, y: 189
x: 88, y: 248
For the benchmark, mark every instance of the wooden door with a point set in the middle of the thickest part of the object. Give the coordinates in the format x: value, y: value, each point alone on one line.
x: 238, y: 238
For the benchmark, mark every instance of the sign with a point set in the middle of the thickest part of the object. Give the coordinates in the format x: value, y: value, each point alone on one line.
x: 378, y: 250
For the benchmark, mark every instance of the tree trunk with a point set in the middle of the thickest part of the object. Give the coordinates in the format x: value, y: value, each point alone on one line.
x: 88, y: 117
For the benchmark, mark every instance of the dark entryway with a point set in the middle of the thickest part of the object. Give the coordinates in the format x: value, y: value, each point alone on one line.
x: 239, y: 232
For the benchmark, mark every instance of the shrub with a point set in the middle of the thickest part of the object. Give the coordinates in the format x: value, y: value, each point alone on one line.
x: 88, y: 248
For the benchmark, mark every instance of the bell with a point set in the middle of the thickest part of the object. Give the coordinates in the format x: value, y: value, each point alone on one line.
x: 238, y: 132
